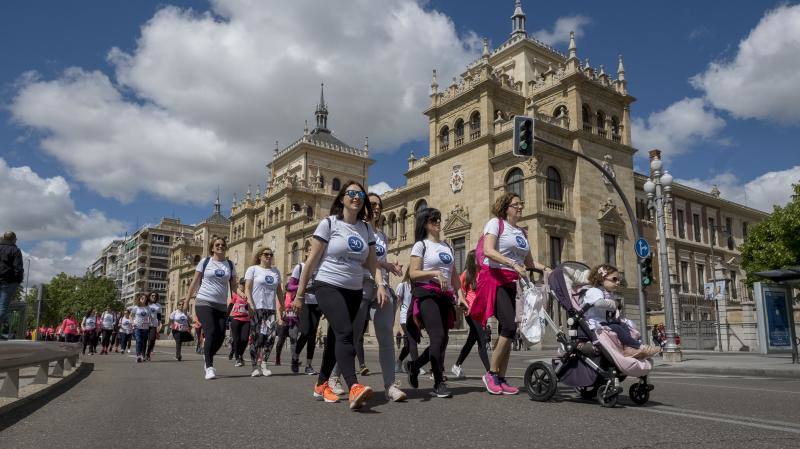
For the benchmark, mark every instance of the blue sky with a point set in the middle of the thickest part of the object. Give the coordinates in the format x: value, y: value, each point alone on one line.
x: 146, y: 63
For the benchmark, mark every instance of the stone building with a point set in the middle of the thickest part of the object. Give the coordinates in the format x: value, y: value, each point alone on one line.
x: 186, y: 252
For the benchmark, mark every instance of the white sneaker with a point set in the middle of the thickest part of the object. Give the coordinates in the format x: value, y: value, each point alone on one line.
x: 265, y: 372
x: 238, y: 363
x: 263, y: 365
x: 256, y: 372
x: 336, y: 385
x: 395, y: 394
x: 457, y: 371
x: 211, y: 373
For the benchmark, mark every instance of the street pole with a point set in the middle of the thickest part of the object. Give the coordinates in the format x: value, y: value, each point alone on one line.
x: 38, y: 307
x: 716, y: 300
x: 631, y: 217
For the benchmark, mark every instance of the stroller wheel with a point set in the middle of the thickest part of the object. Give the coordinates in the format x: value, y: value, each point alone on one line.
x: 639, y: 393
x: 607, y: 400
x: 540, y: 381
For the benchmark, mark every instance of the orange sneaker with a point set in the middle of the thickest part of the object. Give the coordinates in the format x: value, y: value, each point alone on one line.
x: 359, y: 395
x: 324, y: 392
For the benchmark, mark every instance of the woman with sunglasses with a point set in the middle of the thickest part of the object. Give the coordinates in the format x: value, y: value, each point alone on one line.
x: 432, y: 305
x: 214, y: 277
x: 155, y: 323
x: 605, y: 281
x: 382, y: 316
x: 263, y: 290
x: 343, y: 245
x: 308, y: 320
x: 507, y: 254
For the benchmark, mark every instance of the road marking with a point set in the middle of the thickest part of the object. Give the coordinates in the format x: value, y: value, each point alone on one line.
x: 728, y: 387
x: 730, y: 419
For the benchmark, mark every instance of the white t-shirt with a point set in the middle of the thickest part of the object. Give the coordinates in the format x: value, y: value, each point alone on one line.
x: 216, y: 280
x: 403, y: 292
x: 347, y: 251
x: 180, y: 321
x: 89, y: 323
x: 437, y: 257
x: 512, y: 244
x: 108, y: 320
x: 596, y: 315
x: 141, y: 317
x: 309, y: 297
x: 155, y: 310
x: 265, y: 285
x: 125, y: 325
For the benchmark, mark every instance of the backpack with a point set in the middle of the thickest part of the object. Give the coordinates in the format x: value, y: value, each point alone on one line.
x: 205, y: 264
x: 479, y: 256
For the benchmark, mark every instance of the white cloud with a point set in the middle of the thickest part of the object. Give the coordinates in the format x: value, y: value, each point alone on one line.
x: 561, y: 29
x: 203, y: 96
x: 771, y: 188
x: 761, y: 81
x: 41, y: 208
x: 675, y: 129
x: 49, y: 258
x: 380, y: 188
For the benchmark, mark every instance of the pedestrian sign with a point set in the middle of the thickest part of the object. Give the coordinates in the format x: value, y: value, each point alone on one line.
x: 642, y: 248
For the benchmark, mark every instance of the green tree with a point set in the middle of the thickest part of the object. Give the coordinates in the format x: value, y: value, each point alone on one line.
x: 72, y: 294
x: 775, y: 242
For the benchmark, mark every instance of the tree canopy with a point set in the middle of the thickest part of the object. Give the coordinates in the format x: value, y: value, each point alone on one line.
x: 775, y: 242
x: 72, y: 294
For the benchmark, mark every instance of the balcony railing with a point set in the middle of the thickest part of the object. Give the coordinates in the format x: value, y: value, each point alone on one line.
x: 459, y: 141
x: 587, y: 127
x: 555, y: 205
x: 474, y: 135
x: 443, y: 146
x: 601, y: 132
x: 616, y: 138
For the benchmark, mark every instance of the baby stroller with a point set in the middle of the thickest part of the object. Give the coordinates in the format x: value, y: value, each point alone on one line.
x: 590, y: 361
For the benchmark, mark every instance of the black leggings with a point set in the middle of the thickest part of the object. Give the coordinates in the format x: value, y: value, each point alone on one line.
x: 177, y: 335
x: 411, y: 338
x: 340, y: 307
x: 505, y: 309
x: 106, y: 338
x: 151, y: 340
x: 240, y: 331
x: 434, y: 311
x: 88, y: 340
x: 624, y: 334
x: 282, y: 333
x: 213, y: 322
x: 309, y: 322
x: 360, y: 336
x: 476, y: 334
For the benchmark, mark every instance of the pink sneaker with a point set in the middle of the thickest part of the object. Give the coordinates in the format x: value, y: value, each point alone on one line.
x: 492, y: 383
x: 507, y: 389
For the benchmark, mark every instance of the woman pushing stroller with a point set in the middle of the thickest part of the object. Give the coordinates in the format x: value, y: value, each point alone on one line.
x: 605, y: 280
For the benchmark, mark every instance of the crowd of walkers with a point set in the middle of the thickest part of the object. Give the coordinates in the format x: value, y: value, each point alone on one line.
x: 344, y: 277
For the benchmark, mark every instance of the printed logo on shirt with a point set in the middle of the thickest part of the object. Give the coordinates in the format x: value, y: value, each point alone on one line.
x: 219, y: 272
x: 445, y: 258
x: 269, y: 280
x: 380, y: 250
x: 355, y: 243
x: 521, y: 243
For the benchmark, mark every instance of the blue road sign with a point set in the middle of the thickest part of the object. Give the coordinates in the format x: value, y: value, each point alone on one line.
x: 642, y: 248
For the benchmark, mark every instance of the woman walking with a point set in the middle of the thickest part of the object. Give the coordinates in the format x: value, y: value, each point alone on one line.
x: 432, y: 305
x: 263, y: 292
x: 342, y: 246
x: 107, y: 320
x: 125, y: 332
x: 89, y: 326
x: 469, y: 282
x: 180, y: 323
x: 155, y: 323
x: 507, y: 255
x: 308, y: 320
x: 239, y: 313
x: 214, y: 277
x: 141, y: 325
x: 70, y: 329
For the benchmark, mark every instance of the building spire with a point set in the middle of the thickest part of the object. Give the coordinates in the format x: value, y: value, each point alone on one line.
x: 366, y: 145
x: 434, y: 84
x: 485, y: 54
x: 321, y: 112
x: 518, y: 21
x: 217, y: 203
x: 621, y: 69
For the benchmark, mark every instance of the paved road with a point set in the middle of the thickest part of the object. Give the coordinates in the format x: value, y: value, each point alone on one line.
x: 165, y: 402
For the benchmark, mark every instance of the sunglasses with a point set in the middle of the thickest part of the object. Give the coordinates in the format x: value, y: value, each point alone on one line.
x: 356, y: 193
x: 435, y: 220
x: 267, y: 254
x: 613, y: 279
x: 220, y: 245
x: 374, y: 205
x: 518, y: 206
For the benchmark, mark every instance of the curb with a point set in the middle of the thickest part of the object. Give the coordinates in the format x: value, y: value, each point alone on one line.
x: 730, y: 371
x: 11, y: 413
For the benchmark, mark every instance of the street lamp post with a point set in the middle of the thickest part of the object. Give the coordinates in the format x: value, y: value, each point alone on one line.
x: 659, y: 194
x: 713, y: 229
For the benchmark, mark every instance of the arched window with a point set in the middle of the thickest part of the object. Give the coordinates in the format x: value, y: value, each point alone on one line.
x: 587, y: 118
x: 392, y: 226
x: 295, y: 207
x: 444, y: 138
x: 421, y: 204
x: 309, y: 212
x: 475, y: 125
x: 459, y: 132
x: 555, y: 191
x: 402, y: 219
x: 295, y: 254
x: 336, y: 185
x: 561, y: 111
x: 601, y: 123
x: 615, y: 129
x: 321, y: 182
x: 270, y: 217
x: 515, y: 182
x: 282, y: 215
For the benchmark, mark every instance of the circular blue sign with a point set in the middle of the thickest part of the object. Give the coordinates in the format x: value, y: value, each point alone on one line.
x: 219, y: 272
x: 269, y: 280
x: 521, y: 243
x: 642, y: 248
x: 445, y: 258
x: 355, y: 243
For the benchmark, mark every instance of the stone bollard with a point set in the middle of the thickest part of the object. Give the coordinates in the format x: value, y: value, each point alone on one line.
x: 41, y: 373
x: 10, y: 387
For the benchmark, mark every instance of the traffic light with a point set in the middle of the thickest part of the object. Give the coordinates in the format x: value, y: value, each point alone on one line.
x: 646, y: 265
x: 523, y: 136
